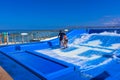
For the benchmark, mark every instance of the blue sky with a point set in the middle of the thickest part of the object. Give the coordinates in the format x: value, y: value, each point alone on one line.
x: 50, y: 14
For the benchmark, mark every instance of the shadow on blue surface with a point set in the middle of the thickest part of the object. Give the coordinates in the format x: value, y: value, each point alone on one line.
x: 55, y: 47
x: 96, y: 61
x: 69, y: 49
x: 90, y: 53
x: 101, y: 76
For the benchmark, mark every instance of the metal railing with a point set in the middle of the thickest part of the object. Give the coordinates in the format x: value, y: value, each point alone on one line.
x: 20, y: 37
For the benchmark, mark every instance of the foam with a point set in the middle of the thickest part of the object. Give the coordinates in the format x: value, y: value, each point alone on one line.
x: 72, y: 56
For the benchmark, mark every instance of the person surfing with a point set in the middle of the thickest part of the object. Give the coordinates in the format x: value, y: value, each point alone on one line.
x: 60, y: 36
x: 65, y: 41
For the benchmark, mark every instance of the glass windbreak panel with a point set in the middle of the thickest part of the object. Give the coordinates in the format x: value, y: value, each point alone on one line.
x: 25, y: 36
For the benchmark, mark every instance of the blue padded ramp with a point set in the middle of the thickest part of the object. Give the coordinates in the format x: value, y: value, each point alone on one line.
x: 16, y: 71
x: 42, y: 66
x: 38, y: 63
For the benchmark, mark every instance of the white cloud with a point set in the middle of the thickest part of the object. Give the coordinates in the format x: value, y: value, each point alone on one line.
x: 111, y: 21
